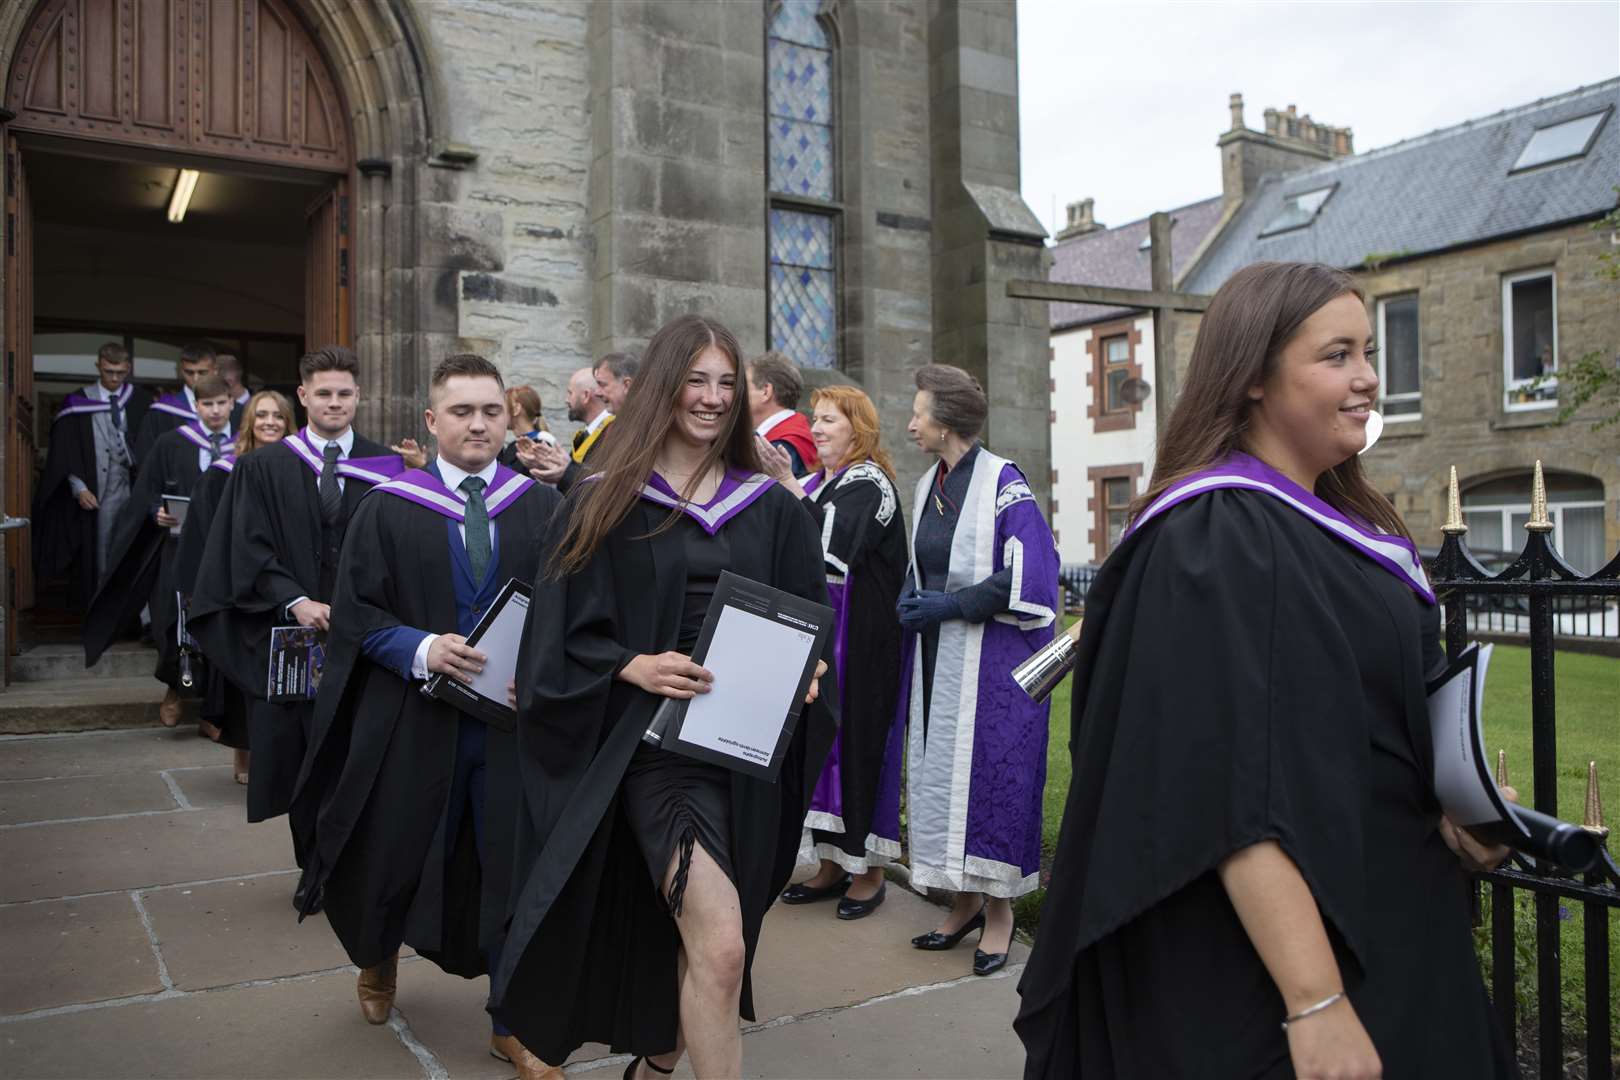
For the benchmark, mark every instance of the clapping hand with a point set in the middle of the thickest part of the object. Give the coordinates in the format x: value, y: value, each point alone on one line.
x: 410, y: 453
x: 528, y: 452
x: 549, y: 461
x: 1475, y: 855
x: 920, y: 608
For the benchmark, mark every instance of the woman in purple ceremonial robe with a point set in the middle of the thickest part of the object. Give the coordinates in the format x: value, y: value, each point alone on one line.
x: 855, y: 807
x: 1254, y: 878
x: 981, y: 596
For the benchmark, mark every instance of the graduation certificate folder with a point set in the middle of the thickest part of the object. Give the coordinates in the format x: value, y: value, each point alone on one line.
x: 1464, y: 785
x: 761, y: 644
x: 497, y: 636
x: 297, y: 655
x: 176, y: 505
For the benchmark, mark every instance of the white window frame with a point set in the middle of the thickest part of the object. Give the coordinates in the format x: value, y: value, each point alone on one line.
x: 1383, y: 361
x: 1555, y: 512
x: 1509, y: 383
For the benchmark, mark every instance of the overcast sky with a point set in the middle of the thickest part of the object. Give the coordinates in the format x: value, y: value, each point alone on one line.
x: 1124, y: 101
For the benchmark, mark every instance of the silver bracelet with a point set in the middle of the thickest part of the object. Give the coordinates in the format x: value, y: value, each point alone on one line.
x: 1312, y: 1009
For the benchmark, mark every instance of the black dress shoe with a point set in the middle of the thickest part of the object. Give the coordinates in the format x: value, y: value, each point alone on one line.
x: 806, y: 894
x: 988, y: 963
x: 934, y: 941
x: 860, y: 909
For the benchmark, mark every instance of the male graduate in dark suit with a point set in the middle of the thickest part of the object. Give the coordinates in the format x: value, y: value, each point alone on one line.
x: 271, y: 560
x: 142, y: 553
x: 171, y: 410
x: 418, y: 800
x: 88, y: 475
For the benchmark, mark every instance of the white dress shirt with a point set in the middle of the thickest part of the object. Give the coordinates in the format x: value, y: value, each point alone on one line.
x: 453, y: 477
x: 203, y: 460
x: 772, y: 421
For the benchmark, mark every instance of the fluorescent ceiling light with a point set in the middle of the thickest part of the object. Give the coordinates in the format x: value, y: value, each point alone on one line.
x: 184, y: 185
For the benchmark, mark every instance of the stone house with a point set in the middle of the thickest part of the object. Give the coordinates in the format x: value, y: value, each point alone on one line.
x: 1477, y: 248
x: 540, y: 181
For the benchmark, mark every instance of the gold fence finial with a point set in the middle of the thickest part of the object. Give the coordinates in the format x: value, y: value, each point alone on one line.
x: 1539, y: 521
x: 1592, y: 820
x: 1501, y: 769
x: 1454, y: 520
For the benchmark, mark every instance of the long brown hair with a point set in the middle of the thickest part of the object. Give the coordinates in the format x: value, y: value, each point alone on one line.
x: 246, y: 440
x: 630, y: 447
x: 863, y: 421
x: 1252, y: 317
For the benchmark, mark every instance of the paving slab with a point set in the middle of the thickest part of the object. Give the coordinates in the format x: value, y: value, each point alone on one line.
x: 446, y: 1015
x: 82, y: 796
x: 961, y: 1031
x: 234, y: 931
x: 211, y: 785
x: 809, y: 959
x: 101, y: 752
x: 65, y: 952
x: 138, y: 852
x: 306, y: 1028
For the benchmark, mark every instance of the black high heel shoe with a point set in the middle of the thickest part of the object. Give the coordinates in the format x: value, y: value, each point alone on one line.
x: 808, y: 894
x: 988, y: 963
x: 630, y: 1069
x: 934, y: 941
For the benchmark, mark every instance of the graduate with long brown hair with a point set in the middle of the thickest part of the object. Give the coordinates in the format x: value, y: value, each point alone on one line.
x: 646, y: 874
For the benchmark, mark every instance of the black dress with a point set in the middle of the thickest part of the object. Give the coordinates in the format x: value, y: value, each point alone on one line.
x: 1244, y: 677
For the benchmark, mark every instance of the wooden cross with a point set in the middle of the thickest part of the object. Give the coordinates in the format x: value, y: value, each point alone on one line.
x: 1160, y: 298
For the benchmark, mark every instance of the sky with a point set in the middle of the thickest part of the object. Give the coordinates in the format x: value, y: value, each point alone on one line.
x: 1123, y: 102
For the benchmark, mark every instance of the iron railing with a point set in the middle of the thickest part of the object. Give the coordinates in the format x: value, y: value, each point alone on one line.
x: 1541, y: 578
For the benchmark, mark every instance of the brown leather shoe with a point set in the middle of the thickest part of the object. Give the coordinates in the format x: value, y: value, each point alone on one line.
x: 169, y: 708
x: 507, y: 1048
x: 376, y: 990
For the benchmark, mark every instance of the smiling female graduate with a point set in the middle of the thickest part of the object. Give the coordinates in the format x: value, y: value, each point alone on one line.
x: 1254, y: 877
x: 646, y: 874
x: 414, y: 801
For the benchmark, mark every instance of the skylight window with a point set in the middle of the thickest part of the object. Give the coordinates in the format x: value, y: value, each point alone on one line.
x: 1562, y: 141
x: 1298, y: 211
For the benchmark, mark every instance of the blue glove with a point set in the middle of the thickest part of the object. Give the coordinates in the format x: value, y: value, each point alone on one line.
x: 920, y: 609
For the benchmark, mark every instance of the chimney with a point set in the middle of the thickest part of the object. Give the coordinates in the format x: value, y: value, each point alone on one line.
x: 1080, y: 220
x: 1290, y: 141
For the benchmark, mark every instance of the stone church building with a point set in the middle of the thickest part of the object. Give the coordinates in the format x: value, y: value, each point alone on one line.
x: 541, y: 181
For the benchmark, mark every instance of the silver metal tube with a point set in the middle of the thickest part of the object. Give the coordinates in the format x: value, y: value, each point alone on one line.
x: 1040, y: 674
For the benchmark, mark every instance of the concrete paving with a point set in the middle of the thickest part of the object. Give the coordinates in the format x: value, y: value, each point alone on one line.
x: 147, y: 931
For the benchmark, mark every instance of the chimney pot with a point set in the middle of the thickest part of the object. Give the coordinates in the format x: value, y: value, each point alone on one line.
x: 1235, y: 103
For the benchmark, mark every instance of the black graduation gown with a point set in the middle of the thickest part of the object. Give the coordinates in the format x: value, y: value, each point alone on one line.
x: 141, y: 559
x: 865, y: 556
x: 383, y: 754
x: 153, y: 426
x: 223, y: 704
x: 64, y: 533
x: 1245, y: 677
x: 263, y: 552
x: 591, y: 949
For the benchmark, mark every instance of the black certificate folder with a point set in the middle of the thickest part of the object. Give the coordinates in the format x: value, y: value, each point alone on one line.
x: 761, y: 644
x: 498, y: 634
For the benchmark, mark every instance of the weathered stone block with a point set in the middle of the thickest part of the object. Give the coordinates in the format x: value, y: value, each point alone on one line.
x: 692, y: 191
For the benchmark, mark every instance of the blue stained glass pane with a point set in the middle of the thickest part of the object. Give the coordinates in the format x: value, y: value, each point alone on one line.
x: 799, y: 239
x: 796, y: 21
x: 799, y: 81
x: 801, y: 159
x: 804, y: 322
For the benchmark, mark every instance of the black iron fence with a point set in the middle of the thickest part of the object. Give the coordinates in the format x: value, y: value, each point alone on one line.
x: 1588, y: 617
x: 1535, y: 584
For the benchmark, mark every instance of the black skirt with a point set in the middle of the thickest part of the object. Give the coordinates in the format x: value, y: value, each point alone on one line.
x: 672, y: 801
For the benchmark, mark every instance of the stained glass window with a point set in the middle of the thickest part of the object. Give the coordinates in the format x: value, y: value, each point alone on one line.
x: 802, y: 166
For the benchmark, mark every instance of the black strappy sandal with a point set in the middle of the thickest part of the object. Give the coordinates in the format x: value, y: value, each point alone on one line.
x: 630, y: 1070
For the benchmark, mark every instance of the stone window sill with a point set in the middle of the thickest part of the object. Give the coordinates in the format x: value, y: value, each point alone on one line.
x: 1529, y: 418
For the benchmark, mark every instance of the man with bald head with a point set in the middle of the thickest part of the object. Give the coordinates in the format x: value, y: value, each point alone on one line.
x: 585, y: 406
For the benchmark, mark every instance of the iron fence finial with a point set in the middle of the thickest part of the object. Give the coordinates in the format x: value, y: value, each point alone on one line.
x: 1501, y: 769
x: 1454, y: 520
x: 1539, y: 521
x: 1592, y: 820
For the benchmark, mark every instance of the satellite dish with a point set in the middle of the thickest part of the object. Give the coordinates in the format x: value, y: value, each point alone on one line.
x: 1375, y: 428
x: 1135, y: 391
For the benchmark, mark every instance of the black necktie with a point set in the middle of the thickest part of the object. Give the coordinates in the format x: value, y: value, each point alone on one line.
x: 579, y: 438
x: 331, y: 494
x: 476, y: 520
x: 117, y: 414
x: 214, y: 438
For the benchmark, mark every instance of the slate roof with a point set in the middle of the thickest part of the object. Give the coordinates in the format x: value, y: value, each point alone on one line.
x: 1442, y: 190
x: 1115, y: 257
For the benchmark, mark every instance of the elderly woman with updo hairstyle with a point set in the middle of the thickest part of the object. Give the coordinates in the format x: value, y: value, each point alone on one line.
x: 981, y: 596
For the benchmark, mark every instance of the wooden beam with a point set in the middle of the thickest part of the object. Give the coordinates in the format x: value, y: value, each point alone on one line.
x: 1058, y: 292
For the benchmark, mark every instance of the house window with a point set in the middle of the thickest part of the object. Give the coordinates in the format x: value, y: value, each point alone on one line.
x: 1563, y: 141
x: 804, y: 213
x: 1116, y: 369
x: 1113, y: 488
x: 1530, y: 339
x: 1496, y: 511
x: 1117, y: 495
x: 1399, y: 358
x: 1298, y: 211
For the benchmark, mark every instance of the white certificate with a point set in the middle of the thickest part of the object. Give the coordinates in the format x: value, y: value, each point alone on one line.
x: 757, y: 664
x: 499, y: 643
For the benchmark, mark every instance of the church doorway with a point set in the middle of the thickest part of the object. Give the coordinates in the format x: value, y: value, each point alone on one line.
x: 176, y: 172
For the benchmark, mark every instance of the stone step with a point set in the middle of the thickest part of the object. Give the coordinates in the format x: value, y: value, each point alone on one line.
x: 80, y: 704
x: 41, y: 663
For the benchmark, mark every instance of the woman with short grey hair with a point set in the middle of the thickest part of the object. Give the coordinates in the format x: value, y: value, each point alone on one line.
x: 980, y: 597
